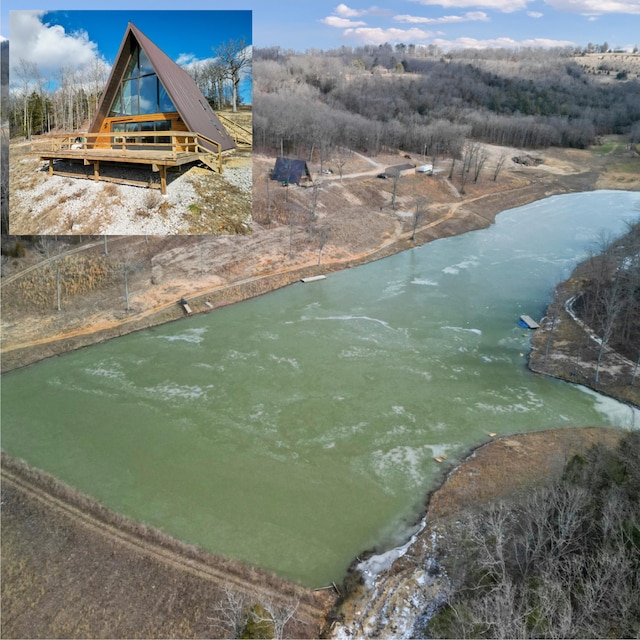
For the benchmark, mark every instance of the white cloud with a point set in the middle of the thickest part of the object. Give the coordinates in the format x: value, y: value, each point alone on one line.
x: 506, y: 6
x: 370, y: 35
x: 48, y: 46
x: 341, y: 23
x: 189, y: 61
x: 596, y: 7
x: 185, y: 59
x: 470, y: 16
x: 501, y: 43
x: 344, y: 11
x: 585, y: 7
x: 535, y: 14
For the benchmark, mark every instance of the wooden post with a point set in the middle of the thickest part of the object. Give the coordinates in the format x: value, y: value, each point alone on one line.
x: 50, y: 166
x: 163, y: 179
x: 96, y: 170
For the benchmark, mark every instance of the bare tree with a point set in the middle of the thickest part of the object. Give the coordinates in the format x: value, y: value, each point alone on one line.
x: 341, y: 156
x: 394, y: 192
x: 236, y: 58
x: 470, y: 155
x: 323, y: 238
x: 498, y: 168
x: 232, y: 611
x: 52, y: 249
x: 479, y: 162
x: 129, y: 265
x: 275, y: 614
x: 27, y: 72
x: 418, y: 214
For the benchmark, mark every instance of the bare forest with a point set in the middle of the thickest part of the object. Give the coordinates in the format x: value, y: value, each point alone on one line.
x: 373, y: 99
x: 559, y: 562
x: 609, y: 302
x: 69, y: 100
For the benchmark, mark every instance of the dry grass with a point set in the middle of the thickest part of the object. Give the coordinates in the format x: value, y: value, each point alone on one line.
x: 221, y: 208
x: 117, y: 578
x: 513, y: 464
x: 76, y: 275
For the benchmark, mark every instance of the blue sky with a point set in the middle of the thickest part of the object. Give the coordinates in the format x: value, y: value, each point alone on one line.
x: 80, y: 38
x: 323, y: 24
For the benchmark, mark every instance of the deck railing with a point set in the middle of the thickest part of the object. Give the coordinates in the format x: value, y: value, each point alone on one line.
x: 169, y: 148
x: 171, y: 142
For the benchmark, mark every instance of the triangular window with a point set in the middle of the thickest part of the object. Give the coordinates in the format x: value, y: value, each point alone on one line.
x: 140, y: 91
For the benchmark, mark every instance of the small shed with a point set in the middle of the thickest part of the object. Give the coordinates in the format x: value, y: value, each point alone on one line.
x: 291, y: 171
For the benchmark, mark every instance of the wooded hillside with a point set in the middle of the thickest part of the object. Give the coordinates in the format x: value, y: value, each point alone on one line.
x: 377, y: 98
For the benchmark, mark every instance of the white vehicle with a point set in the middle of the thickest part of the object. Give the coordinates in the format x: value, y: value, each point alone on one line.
x: 425, y: 168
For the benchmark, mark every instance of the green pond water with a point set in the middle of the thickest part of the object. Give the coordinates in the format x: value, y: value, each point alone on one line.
x: 295, y: 430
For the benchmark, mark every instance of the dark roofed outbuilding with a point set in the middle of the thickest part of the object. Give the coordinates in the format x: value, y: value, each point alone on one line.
x: 291, y: 171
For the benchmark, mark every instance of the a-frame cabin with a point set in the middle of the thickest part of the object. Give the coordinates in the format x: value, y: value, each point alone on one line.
x: 151, y: 112
x: 148, y: 93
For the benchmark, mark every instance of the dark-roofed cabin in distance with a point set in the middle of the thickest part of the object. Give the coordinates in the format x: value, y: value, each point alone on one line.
x: 291, y: 171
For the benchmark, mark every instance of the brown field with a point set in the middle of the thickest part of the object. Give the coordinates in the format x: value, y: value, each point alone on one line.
x: 606, y: 66
x: 73, y: 569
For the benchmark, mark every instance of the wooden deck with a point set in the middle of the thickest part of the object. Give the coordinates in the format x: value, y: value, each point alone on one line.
x: 92, y: 149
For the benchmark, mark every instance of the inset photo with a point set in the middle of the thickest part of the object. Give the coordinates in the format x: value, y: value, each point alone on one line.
x: 130, y: 122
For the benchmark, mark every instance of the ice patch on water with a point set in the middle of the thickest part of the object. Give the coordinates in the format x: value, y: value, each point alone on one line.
x: 529, y: 401
x: 465, y: 264
x: 439, y: 450
x: 425, y: 282
x: 358, y: 352
x: 233, y: 354
x: 402, y: 463
x: 194, y: 336
x: 292, y: 362
x: 371, y: 568
x: 172, y: 391
x: 267, y: 335
x: 420, y: 373
x: 617, y: 413
x: 106, y: 370
x: 393, y: 289
x: 463, y: 329
x: 386, y: 325
x: 401, y: 411
x: 339, y: 434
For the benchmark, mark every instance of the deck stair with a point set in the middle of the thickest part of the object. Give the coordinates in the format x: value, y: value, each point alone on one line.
x: 210, y: 160
x: 242, y: 136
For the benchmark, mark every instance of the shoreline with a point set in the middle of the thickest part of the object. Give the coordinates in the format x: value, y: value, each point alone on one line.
x: 412, y: 583
x: 482, y: 210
